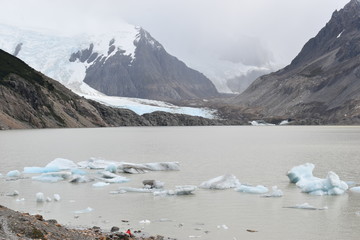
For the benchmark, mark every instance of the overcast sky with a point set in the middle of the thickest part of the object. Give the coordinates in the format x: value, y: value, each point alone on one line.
x: 249, y: 31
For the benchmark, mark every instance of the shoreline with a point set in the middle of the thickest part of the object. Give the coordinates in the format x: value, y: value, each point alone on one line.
x: 17, y: 225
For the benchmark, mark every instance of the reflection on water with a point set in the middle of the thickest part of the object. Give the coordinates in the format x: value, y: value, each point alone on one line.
x: 255, y: 155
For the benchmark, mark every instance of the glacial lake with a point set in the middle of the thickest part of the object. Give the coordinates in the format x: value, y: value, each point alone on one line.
x: 255, y: 155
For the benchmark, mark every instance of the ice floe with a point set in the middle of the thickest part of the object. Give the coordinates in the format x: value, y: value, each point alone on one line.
x: 13, y: 194
x: 86, y: 210
x: 153, y: 184
x: 276, y: 192
x: 100, y: 184
x: 179, y: 190
x: 221, y: 182
x: 259, y: 189
x: 40, y: 169
x: 126, y: 167
x: 81, y: 179
x: 40, y: 198
x: 52, y: 177
x: 62, y: 164
x: 13, y: 174
x: 355, y: 189
x: 307, y: 206
x: 303, y: 177
x: 57, y: 197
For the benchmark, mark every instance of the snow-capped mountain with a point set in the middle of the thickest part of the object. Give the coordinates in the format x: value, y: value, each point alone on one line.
x: 127, y: 62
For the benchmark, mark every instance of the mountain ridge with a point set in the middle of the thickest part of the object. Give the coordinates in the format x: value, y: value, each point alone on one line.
x: 321, y: 85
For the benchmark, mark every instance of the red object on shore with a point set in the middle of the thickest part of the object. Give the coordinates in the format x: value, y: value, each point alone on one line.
x: 128, y: 232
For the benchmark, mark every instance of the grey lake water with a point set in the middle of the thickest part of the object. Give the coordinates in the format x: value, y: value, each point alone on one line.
x: 255, y: 155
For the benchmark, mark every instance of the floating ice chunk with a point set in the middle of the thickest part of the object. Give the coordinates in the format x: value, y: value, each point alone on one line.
x: 303, y: 177
x: 57, y: 197
x: 94, y: 163
x: 77, y: 171
x: 40, y: 169
x: 118, y: 179
x: 355, y: 189
x: 145, y: 167
x: 13, y: 174
x: 221, y: 182
x: 223, y: 227
x: 107, y: 174
x: 259, y: 189
x: 100, y: 184
x: 307, y: 206
x: 275, y: 192
x: 80, y: 179
x: 118, y: 192
x: 40, y: 198
x: 332, y: 185
x: 153, y: 184
x: 48, y: 199
x: 20, y: 199
x: 163, y: 166
x: 179, y: 190
x: 184, y: 190
x: 52, y: 177
x: 138, y: 190
x: 62, y: 164
x: 111, y: 168
x: 13, y: 194
x: 86, y: 210
x: 300, y: 172
x: 145, y: 221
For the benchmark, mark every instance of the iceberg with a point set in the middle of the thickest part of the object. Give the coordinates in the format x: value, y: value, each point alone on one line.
x: 300, y: 172
x: 62, y: 164
x: 40, y: 198
x: 304, y: 179
x: 118, y: 179
x: 221, y: 182
x: 355, y: 189
x: 276, y: 192
x: 52, y: 177
x: 13, y: 174
x: 259, y: 189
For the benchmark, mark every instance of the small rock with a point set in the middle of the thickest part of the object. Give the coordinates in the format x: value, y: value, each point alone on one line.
x: 39, y: 217
x: 114, y: 229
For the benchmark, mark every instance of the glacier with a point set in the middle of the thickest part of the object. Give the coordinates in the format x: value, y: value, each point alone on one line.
x: 303, y: 177
x: 49, y: 52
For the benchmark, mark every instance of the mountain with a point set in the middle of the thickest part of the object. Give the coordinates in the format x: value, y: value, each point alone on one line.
x: 29, y: 99
x: 127, y: 62
x: 322, y: 83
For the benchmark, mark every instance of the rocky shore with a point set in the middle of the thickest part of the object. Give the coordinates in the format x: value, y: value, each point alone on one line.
x: 15, y: 225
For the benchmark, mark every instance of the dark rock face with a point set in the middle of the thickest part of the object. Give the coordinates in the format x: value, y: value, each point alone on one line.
x: 153, y: 74
x: 322, y: 84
